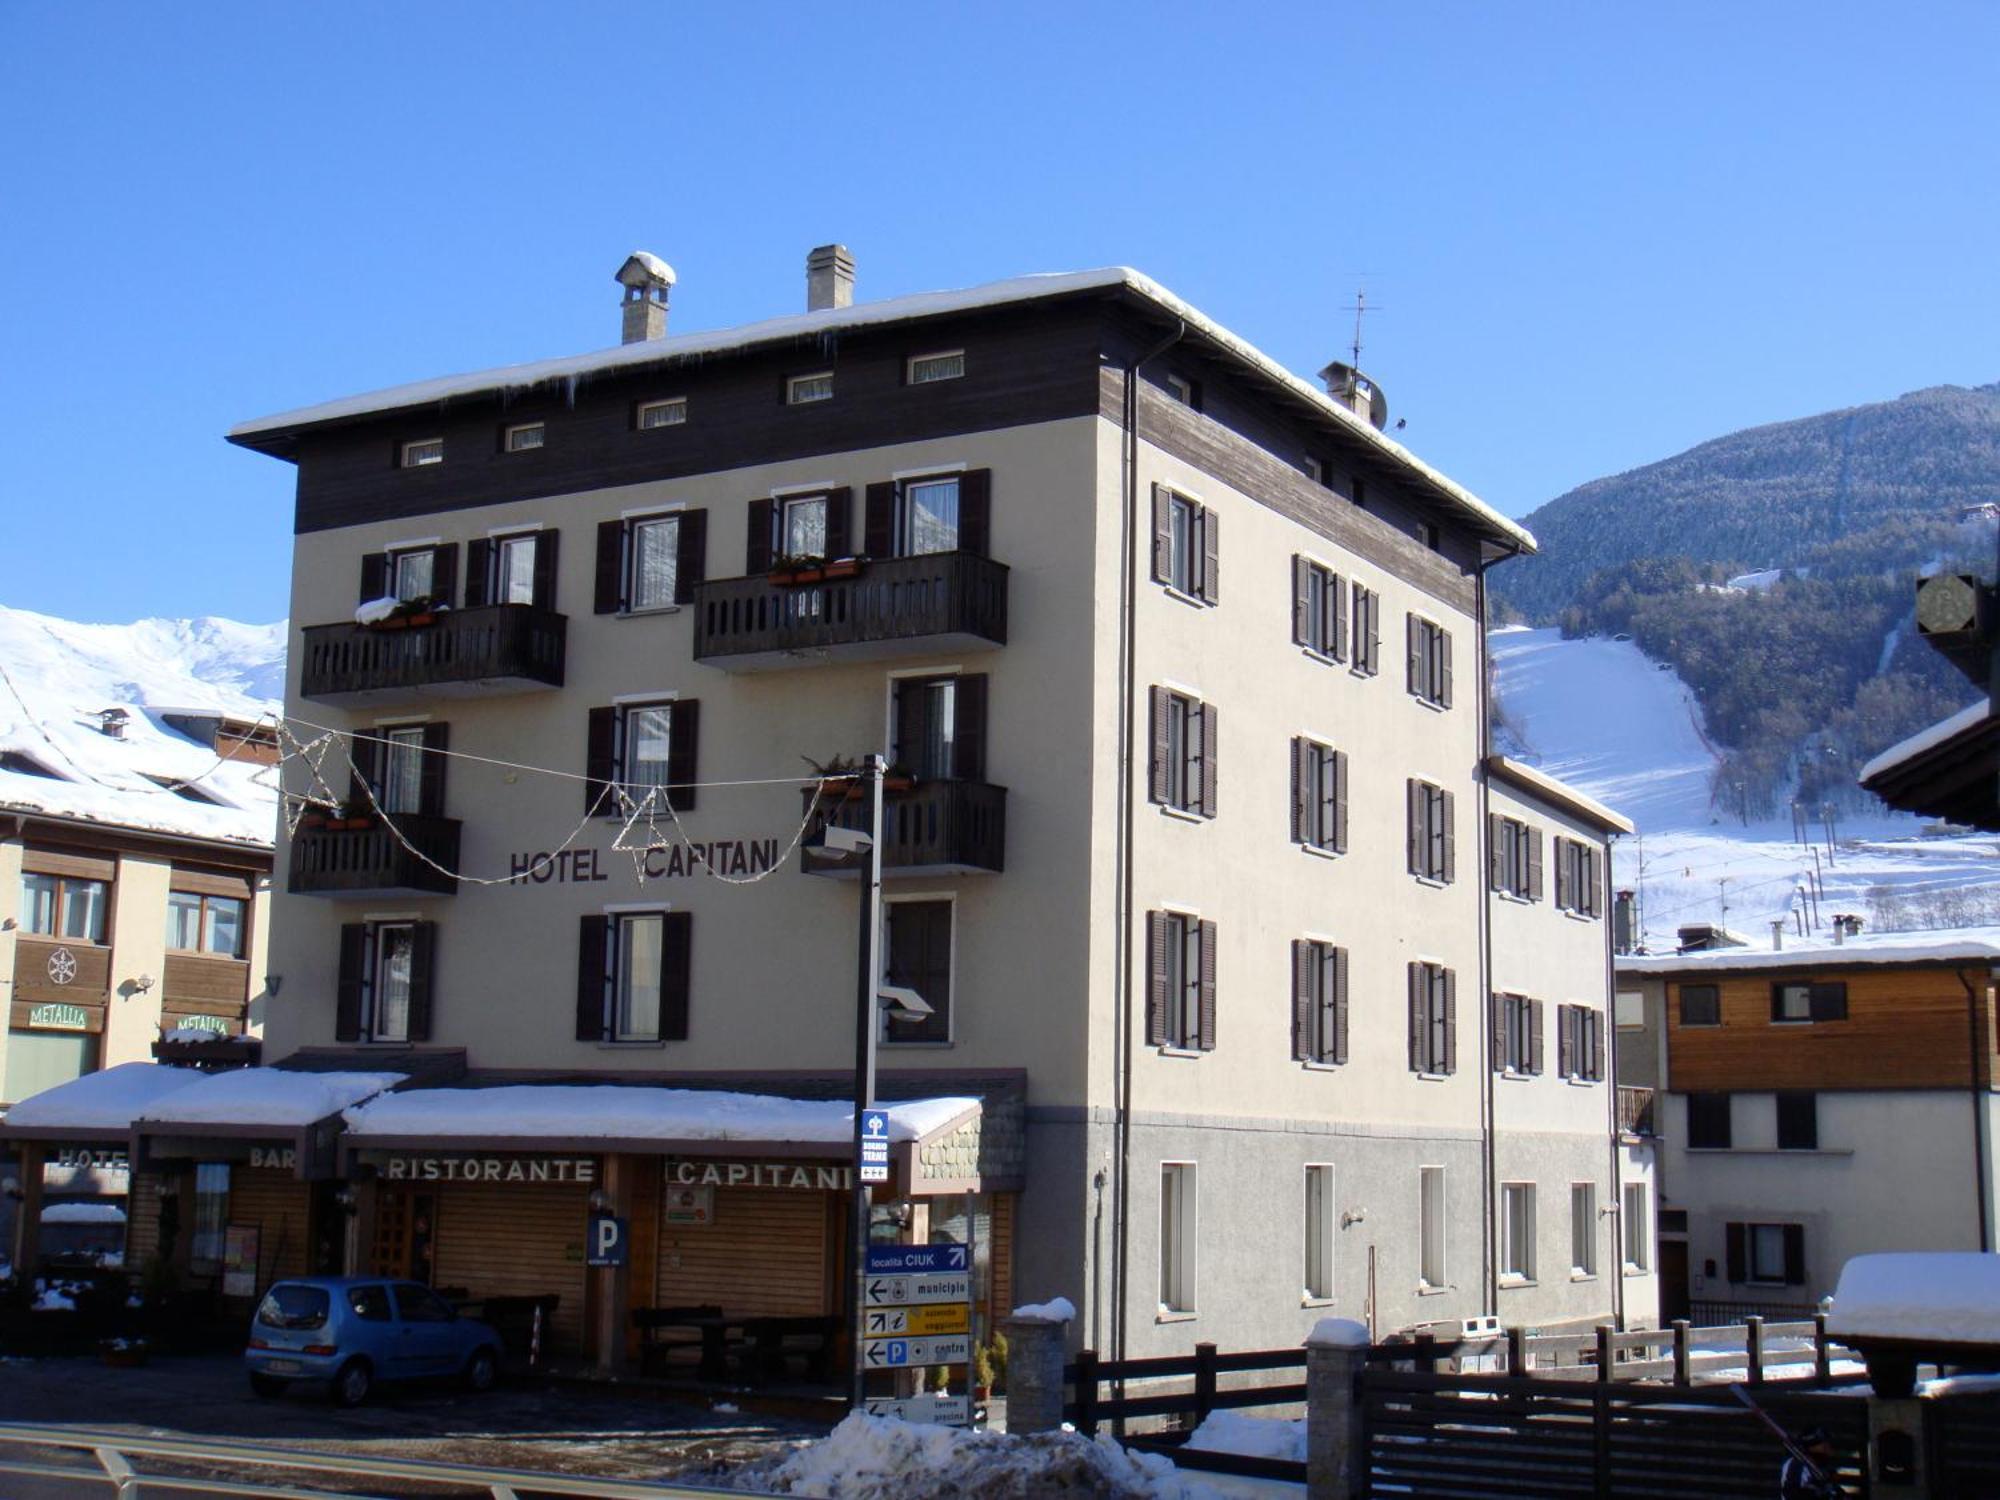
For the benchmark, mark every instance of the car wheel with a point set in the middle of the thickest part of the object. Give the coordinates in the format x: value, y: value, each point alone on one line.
x: 352, y: 1384
x: 481, y: 1371
x: 268, y: 1386
x: 1894, y: 1376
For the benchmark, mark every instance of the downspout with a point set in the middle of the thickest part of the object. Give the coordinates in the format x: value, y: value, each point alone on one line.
x: 1611, y: 1111
x: 1126, y: 986
x: 1489, y: 1291
x: 1978, y: 1090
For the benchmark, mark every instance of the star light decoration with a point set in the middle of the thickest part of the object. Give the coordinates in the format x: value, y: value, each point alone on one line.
x: 312, y: 755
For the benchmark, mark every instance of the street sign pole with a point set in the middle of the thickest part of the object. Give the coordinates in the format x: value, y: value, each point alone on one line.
x: 869, y: 960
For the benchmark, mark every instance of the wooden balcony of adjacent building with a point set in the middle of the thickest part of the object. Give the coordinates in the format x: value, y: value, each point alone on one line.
x: 454, y: 653
x: 357, y: 858
x: 939, y: 827
x: 854, y: 609
x: 1635, y: 1112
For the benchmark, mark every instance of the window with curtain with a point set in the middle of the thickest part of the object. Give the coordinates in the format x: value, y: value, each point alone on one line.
x: 403, y: 770
x: 413, y: 574
x: 640, y: 947
x: 211, y: 1217
x: 514, y: 578
x: 395, y: 949
x: 802, y: 527
x: 61, y: 906
x: 648, y: 737
x: 928, y: 519
x: 656, y: 546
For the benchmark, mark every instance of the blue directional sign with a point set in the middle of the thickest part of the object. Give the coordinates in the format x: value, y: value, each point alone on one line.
x: 874, y: 1161
x: 893, y: 1259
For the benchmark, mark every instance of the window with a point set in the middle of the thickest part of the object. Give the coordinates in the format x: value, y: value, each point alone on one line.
x: 1186, y: 535
x: 1430, y: 662
x: 514, y: 569
x: 1319, y: 1233
x: 422, y: 453
x: 917, y: 953
x: 938, y: 732
x: 1636, y: 1228
x: 1629, y: 1010
x: 1433, y: 846
x: 927, y: 516
x: 1183, y: 753
x: 1178, y: 1231
x: 1774, y: 1254
x: 1367, y: 612
x: 1180, y: 992
x: 923, y: 514
x: 670, y: 413
x: 1579, y: 881
x: 64, y: 907
x: 633, y: 971
x: 413, y: 574
x: 211, y: 1217
x: 1430, y: 1228
x: 801, y: 389
x: 1184, y: 390
x: 1798, y: 1121
x: 1313, y: 469
x: 1708, y: 1124
x: 1319, y: 1002
x: 651, y: 562
x: 205, y: 924
x: 1516, y: 852
x: 403, y: 767
x: 1319, y: 609
x: 1427, y: 533
x: 642, y: 749
x: 926, y: 368
x: 1517, y: 1034
x: 1800, y: 1001
x: 395, y: 948
x: 384, y: 993
x: 1517, y: 1231
x: 1583, y: 1229
x: 1319, y: 796
x: 1433, y: 1019
x: 1701, y: 1005
x: 1580, y: 1043
x: 401, y: 754
x: 523, y: 437
x: 802, y: 526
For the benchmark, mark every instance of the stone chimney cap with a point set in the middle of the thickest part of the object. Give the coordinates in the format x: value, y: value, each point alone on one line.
x: 642, y: 269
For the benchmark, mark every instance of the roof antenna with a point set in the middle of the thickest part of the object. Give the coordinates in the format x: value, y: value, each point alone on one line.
x: 1345, y: 382
x: 1359, y: 307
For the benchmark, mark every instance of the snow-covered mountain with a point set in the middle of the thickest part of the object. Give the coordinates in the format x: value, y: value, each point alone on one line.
x: 1601, y: 716
x: 56, y: 679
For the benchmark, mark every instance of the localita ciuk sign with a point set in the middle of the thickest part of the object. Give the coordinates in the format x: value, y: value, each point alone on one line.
x: 582, y: 866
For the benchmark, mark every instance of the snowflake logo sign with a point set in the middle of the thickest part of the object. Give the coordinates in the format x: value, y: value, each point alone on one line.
x: 62, y: 967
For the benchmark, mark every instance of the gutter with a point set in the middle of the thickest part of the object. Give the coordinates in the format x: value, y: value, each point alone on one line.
x: 1978, y: 1089
x: 21, y: 821
x: 1611, y: 1120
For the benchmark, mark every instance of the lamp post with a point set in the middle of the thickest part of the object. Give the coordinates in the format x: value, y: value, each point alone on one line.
x: 867, y: 979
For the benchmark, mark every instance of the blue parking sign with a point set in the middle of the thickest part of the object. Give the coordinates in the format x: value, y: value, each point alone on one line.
x: 607, y: 1242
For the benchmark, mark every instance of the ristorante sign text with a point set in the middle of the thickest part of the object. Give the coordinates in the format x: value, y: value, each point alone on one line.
x: 490, y: 1169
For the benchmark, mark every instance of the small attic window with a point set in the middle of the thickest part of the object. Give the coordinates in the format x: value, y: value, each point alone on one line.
x: 423, y: 453
x: 802, y: 389
x: 669, y: 413
x: 26, y: 765
x: 179, y: 789
x: 524, y: 436
x: 1184, y: 390
x: 926, y: 368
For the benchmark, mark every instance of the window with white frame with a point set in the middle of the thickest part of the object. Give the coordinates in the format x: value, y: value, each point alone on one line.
x: 423, y: 452
x: 1517, y: 1231
x: 1367, y: 641
x: 402, y: 769
x: 1181, y: 981
x: 633, y: 976
x: 1319, y: 1233
x: 391, y: 976
x: 927, y: 368
x: 1430, y: 662
x: 1319, y: 609
x: 802, y: 526
x: 413, y: 573
x: 198, y: 923
x: 802, y: 389
x: 1430, y: 1228
x: 1186, y: 538
x: 1319, y: 796
x: 927, y: 515
x: 514, y: 568
x: 1184, y: 390
x: 669, y: 413
x: 1178, y: 1237
x: 524, y: 437
x: 646, y: 744
x: 636, y: 1004
x: 64, y: 907
x: 384, y: 991
x: 654, y: 550
x: 1583, y: 1229
x: 1636, y: 1223
x: 1183, y: 752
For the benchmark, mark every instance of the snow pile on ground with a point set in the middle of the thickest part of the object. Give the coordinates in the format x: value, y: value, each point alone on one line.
x: 84, y: 1213
x: 55, y: 1296
x: 1061, y: 1310
x: 880, y: 1458
x: 1251, y: 1437
x: 1941, y: 1294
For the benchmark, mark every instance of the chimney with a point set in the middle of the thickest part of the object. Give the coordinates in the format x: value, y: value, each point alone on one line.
x: 647, y: 281
x: 829, y: 278
x: 1624, y: 911
x: 112, y: 721
x: 1777, y: 934
x: 1357, y: 393
x: 1839, y: 928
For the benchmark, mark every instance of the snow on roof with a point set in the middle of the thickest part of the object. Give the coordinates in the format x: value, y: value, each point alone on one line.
x: 1560, y: 792
x: 61, y: 677
x: 798, y: 326
x: 652, y: 265
x: 109, y: 1099
x: 1928, y: 739
x: 1936, y: 945
x: 1947, y: 1295
x: 267, y: 1096
x: 627, y: 1112
x: 83, y: 1213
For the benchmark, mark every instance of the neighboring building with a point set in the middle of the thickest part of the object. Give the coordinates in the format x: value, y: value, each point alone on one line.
x: 1952, y: 769
x: 1823, y: 1101
x: 1211, y: 1052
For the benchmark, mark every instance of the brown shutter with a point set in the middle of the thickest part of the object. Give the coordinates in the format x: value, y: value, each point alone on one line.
x: 1497, y: 1011
x: 1303, y: 791
x: 760, y: 540
x: 479, y: 571
x: 1733, y: 1239
x: 840, y: 522
x: 1163, y: 534
x: 1562, y: 874
x: 1302, y: 1000
x: 1565, y: 1042
x: 1795, y: 1254
x: 1374, y: 631
x: 444, y: 573
x: 431, y: 775
x: 1417, y: 1029
x: 1534, y: 1036
x: 975, y: 511
x: 1302, y: 622
x: 1340, y: 1005
x: 676, y: 970
x: 547, y: 550
x: 690, y: 554
x: 1156, y: 978
x: 1450, y: 1021
x: 610, y: 587
x: 1414, y: 799
x: 1448, y: 816
x: 1443, y: 684
x: 683, y: 741
x: 1206, y: 1041
x: 912, y: 726
x: 1340, y: 801
x: 353, y: 978
x: 593, y: 976
x: 1596, y: 1022
x: 1211, y: 552
x: 878, y: 519
x: 600, y: 762
x: 423, y: 977
x: 1211, y: 736
x: 1496, y: 830
x: 1161, y: 783
x: 1337, y: 604
x: 365, y: 751
x: 1534, y: 864
x: 968, y: 744
x: 374, y: 576
x: 1413, y: 640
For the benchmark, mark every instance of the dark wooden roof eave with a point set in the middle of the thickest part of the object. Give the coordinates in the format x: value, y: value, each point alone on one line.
x: 1957, y: 779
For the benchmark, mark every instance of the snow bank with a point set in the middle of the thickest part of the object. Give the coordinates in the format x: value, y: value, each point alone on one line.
x: 267, y: 1096
x: 1945, y: 1295
x: 83, y: 1213
x: 110, y: 1099
x: 1061, y: 1310
x: 1252, y: 1437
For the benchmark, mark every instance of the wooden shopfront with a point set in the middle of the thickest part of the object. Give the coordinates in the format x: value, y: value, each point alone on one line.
x: 233, y: 1214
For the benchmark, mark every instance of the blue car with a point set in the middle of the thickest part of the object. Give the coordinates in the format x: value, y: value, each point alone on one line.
x: 353, y: 1331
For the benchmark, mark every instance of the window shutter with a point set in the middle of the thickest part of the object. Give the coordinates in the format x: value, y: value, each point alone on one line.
x: 1302, y: 621
x: 1828, y: 1001
x: 1340, y: 802
x: 676, y: 970
x: 423, y: 973
x: 912, y: 725
x: 1594, y: 1019
x: 1418, y: 993
x: 1156, y: 978
x: 975, y: 511
x: 365, y: 753
x: 374, y: 576
x: 1535, y: 1036
x: 1795, y: 1254
x: 1447, y: 815
x: 1734, y: 1248
x: 1211, y: 747
x: 1450, y: 1021
x: 431, y: 775
x: 600, y: 762
x: 353, y: 978
x: 1444, y: 669
x: 610, y: 574
x: 1374, y: 631
x: 1565, y: 1041
x: 1303, y: 791
x: 1562, y: 872
x: 1161, y: 782
x: 1340, y: 1005
x: 1207, y: 1039
x: 1163, y: 534
x: 1211, y: 552
x: 1413, y: 639
x: 840, y: 522
x: 1497, y: 1010
x: 968, y: 744
x: 547, y: 550
x: 683, y: 740
x: 593, y: 976
x: 1593, y: 882
x: 444, y: 573
x: 1534, y: 864
x: 1496, y: 830
x: 878, y: 519
x: 760, y: 540
x: 1302, y: 1000
x: 479, y: 571
x: 1337, y: 589
x: 1413, y: 797
x: 690, y: 554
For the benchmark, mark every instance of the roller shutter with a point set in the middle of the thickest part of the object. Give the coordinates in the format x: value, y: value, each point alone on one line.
x: 501, y: 1239
x: 766, y: 1253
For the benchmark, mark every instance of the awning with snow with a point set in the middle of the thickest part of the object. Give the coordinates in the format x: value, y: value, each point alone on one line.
x: 99, y: 1106
x: 284, y: 1118
x: 1947, y: 771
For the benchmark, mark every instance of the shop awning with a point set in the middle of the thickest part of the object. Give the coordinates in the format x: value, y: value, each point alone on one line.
x: 291, y: 1112
x: 99, y: 1106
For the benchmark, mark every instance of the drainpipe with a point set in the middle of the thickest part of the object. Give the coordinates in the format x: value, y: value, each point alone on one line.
x: 1977, y: 1088
x: 1125, y: 984
x: 1489, y: 1190
x: 1611, y: 1114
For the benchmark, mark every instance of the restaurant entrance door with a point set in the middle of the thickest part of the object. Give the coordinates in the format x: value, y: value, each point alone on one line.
x: 405, y: 1227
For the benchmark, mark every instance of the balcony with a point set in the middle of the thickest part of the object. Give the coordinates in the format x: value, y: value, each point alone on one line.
x: 891, y: 607
x: 934, y: 828
x: 371, y: 861
x: 461, y: 653
x: 1635, y: 1111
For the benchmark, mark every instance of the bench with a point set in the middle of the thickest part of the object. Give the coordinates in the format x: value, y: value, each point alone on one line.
x: 663, y: 1330
x: 777, y: 1340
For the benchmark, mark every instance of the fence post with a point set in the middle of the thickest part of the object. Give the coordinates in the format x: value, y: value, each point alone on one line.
x: 1517, y: 1352
x: 1822, y: 1354
x: 1600, y: 1428
x: 1035, y: 1372
x: 1336, y: 1440
x: 1603, y: 1352
x: 1086, y: 1392
x: 1681, y: 1353
x: 1204, y: 1382
x: 1426, y: 1352
x: 1753, y: 1348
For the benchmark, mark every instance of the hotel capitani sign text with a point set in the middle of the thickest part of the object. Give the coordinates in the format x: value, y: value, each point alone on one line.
x: 584, y: 866
x: 821, y: 1177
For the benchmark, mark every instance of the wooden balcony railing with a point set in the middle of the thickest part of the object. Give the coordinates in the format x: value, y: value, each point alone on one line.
x: 372, y: 861
x: 892, y: 606
x: 496, y: 648
x: 1635, y: 1111
x: 934, y: 825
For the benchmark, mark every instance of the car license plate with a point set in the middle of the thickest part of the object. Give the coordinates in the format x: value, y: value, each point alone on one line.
x: 283, y: 1366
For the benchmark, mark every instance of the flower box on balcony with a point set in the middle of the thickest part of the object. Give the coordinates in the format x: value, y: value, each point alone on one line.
x: 789, y: 573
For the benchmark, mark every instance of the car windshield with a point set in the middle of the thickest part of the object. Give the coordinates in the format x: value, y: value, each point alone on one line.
x: 294, y: 1307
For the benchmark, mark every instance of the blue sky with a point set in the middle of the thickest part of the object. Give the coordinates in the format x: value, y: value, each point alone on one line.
x: 1599, y: 233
